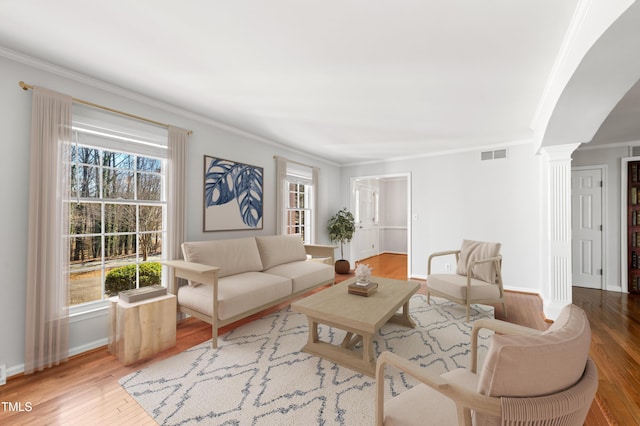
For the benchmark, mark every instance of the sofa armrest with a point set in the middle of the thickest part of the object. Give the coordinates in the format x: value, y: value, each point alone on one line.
x: 197, y: 272
x: 441, y: 253
x: 321, y: 250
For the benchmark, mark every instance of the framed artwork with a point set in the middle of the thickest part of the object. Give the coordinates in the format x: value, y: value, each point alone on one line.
x: 232, y: 195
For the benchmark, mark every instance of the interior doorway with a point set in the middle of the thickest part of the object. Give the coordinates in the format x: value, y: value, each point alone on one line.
x: 382, y: 208
x: 587, y: 227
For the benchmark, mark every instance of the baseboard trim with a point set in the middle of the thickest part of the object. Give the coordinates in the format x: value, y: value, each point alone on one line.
x: 18, y: 369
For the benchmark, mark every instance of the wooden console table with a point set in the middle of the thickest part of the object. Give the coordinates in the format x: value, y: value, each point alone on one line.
x: 141, y: 329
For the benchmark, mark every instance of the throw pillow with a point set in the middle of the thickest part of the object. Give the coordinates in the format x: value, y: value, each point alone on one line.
x: 477, y: 250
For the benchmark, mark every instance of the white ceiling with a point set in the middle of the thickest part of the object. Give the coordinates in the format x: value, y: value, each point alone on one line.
x: 623, y: 124
x: 346, y: 80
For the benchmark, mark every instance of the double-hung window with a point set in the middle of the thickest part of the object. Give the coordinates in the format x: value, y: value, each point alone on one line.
x: 117, y: 205
x: 298, y: 210
x: 298, y: 183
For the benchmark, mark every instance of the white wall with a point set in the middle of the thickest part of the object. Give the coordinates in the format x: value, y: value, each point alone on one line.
x: 90, y: 331
x: 587, y: 156
x: 458, y: 197
x: 393, y: 215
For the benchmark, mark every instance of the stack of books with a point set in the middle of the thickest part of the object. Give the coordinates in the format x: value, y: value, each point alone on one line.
x: 142, y: 293
x: 363, y: 290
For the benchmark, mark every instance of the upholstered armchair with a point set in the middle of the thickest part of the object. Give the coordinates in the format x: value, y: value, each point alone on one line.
x: 528, y: 377
x: 478, y: 276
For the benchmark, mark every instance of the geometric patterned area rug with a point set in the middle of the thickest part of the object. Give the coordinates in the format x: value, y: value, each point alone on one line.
x: 259, y: 375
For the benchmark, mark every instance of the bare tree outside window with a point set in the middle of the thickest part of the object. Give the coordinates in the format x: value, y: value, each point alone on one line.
x: 116, y: 216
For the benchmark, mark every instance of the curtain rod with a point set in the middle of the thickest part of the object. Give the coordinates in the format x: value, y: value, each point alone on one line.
x: 26, y: 86
x: 296, y: 162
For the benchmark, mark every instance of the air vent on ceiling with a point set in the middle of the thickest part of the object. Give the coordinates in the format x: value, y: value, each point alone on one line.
x: 493, y: 155
x: 634, y: 151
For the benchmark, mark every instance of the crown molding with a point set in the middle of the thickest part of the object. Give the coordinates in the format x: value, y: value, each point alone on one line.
x: 146, y: 100
x: 626, y: 144
x: 477, y: 148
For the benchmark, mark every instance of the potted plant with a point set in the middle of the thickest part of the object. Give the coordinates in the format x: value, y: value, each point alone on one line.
x: 341, y: 228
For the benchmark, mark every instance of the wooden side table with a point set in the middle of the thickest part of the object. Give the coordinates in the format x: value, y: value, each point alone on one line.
x: 141, y: 329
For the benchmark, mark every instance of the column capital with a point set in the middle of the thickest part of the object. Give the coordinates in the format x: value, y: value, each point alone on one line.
x: 560, y: 152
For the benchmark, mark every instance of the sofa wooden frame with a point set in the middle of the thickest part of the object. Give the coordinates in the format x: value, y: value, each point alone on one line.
x: 208, y: 275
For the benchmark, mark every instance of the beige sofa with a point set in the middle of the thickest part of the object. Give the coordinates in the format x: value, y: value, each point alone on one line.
x: 231, y: 279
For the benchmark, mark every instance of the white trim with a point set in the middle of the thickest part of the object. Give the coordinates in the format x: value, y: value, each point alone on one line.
x: 89, y: 346
x: 535, y: 291
x: 14, y: 370
x: 85, y: 311
x: 577, y: 20
x: 477, y: 148
x: 588, y: 147
x: 77, y: 350
x: 560, y: 153
x: 558, y: 230
x: 405, y: 175
x: 98, y: 84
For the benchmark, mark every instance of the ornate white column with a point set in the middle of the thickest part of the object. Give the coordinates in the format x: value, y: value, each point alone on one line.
x: 558, y: 292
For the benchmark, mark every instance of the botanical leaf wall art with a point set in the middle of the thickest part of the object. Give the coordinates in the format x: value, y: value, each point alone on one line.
x: 232, y: 195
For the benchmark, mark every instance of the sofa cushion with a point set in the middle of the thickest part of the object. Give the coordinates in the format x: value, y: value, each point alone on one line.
x: 426, y: 406
x: 236, y: 294
x: 420, y: 402
x: 278, y: 249
x: 304, y: 274
x: 456, y: 286
x: 477, y: 250
x: 521, y: 366
x: 232, y: 256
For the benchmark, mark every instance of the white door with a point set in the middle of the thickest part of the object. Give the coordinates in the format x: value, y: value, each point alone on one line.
x: 366, y: 238
x: 586, y: 226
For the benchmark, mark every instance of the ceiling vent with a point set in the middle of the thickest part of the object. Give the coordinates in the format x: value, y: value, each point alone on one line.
x: 634, y: 151
x: 493, y: 155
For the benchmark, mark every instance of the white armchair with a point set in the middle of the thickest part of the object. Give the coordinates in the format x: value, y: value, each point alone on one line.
x: 528, y: 378
x: 478, y: 277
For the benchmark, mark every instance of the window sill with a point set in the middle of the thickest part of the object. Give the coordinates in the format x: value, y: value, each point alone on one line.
x: 89, y: 310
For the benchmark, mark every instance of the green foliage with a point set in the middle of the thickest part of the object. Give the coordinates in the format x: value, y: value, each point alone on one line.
x: 124, y: 277
x: 341, y: 228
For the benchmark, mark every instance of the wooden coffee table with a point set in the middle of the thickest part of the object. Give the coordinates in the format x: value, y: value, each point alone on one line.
x: 361, y: 317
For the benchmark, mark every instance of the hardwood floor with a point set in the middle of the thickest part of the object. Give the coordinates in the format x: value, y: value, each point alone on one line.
x: 85, y: 390
x: 615, y: 348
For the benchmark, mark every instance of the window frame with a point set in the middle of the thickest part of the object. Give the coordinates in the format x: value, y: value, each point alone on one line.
x: 291, y: 172
x: 109, y: 139
x: 305, y: 212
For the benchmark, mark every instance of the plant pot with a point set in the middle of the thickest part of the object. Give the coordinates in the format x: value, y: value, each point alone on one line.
x: 342, y: 266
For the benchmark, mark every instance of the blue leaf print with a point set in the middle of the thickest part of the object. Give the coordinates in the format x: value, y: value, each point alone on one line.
x: 226, y: 180
x: 248, y: 189
x: 218, y: 186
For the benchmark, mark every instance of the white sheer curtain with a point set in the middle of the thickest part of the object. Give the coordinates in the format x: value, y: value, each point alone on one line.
x: 281, y: 194
x: 47, y: 301
x: 176, y: 189
x: 314, y: 204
